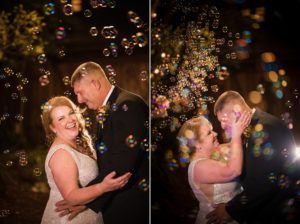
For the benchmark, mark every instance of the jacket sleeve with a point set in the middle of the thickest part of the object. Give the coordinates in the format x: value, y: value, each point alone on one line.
x: 129, y: 129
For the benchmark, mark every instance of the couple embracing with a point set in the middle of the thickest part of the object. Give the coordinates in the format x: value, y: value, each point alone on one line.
x: 250, y: 180
x: 99, y: 184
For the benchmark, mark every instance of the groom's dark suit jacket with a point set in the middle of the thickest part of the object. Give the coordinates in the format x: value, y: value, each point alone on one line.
x: 268, y: 174
x: 127, y: 115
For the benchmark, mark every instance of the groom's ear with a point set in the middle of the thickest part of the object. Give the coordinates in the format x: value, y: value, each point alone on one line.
x: 96, y: 83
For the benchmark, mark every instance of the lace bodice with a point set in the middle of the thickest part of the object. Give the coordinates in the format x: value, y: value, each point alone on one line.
x: 222, y: 193
x: 87, y: 170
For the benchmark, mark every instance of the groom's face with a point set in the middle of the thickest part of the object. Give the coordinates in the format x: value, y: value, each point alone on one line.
x: 87, y: 92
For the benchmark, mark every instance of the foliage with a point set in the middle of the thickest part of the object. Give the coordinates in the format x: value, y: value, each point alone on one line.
x: 20, y: 33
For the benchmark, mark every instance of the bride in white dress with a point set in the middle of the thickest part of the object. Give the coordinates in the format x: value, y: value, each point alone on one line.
x: 71, y: 164
x: 213, y: 167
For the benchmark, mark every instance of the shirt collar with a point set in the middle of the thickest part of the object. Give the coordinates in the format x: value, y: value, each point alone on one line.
x: 108, y: 95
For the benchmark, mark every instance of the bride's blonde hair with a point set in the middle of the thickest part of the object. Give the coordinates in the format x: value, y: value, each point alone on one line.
x: 189, y: 135
x: 83, y: 139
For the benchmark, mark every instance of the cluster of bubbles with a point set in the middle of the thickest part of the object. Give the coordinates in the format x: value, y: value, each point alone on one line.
x: 103, y: 3
x: 16, y: 93
x: 273, y: 74
x: 113, y: 50
x: 145, y: 144
x: 67, y: 8
x: 170, y: 159
x: 114, y: 107
x: 191, y: 71
x: 88, y: 122
x: 44, y: 78
x: 281, y: 180
x: 257, y: 17
x: 66, y: 80
x: 242, y: 43
x: 101, y: 117
x: 144, y: 185
x: 144, y: 75
x: 60, y: 33
x: 135, y: 19
x: 23, y: 158
x: 4, y: 213
x: 279, y: 82
x: 111, y: 72
x: 109, y: 32
x: 49, y: 8
x: 186, y: 69
x: 138, y: 39
x: 46, y: 106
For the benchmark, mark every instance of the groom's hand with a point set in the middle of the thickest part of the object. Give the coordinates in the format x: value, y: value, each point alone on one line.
x: 65, y: 209
x: 219, y: 215
x: 75, y: 210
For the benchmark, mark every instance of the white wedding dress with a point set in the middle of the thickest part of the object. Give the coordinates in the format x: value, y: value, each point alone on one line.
x: 88, y: 170
x: 222, y: 193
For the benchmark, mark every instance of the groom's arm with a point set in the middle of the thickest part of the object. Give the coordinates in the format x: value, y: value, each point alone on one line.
x: 261, y: 184
x: 125, y: 152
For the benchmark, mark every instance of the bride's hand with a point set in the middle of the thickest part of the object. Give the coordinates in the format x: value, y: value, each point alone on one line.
x: 110, y: 183
x: 240, y: 124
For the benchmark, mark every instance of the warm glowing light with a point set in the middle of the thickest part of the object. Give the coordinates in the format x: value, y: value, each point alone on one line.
x: 273, y: 77
x: 281, y: 72
x: 255, y: 97
x: 297, y: 152
x: 268, y: 57
x: 76, y: 5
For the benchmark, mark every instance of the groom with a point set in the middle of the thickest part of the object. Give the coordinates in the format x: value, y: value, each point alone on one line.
x: 267, y: 176
x: 122, y: 130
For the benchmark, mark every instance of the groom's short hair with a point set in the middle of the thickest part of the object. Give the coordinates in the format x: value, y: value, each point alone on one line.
x: 86, y: 69
x: 227, y: 97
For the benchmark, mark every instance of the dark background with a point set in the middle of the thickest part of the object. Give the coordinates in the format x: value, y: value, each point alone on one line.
x: 23, y: 190
x: 172, y: 198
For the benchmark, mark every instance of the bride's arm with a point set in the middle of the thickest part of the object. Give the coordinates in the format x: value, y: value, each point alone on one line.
x: 65, y: 174
x: 212, y: 171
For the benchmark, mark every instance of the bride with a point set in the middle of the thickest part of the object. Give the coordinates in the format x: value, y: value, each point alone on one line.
x: 213, y: 167
x: 71, y: 163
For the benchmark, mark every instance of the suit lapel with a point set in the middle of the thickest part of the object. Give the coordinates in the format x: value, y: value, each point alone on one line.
x: 100, y: 143
x: 114, y: 95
